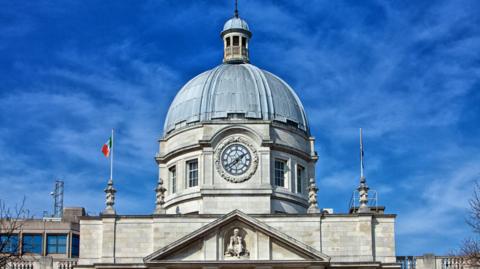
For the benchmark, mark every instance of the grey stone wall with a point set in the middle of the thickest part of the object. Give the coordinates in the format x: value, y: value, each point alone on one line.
x: 345, y: 238
x: 216, y: 195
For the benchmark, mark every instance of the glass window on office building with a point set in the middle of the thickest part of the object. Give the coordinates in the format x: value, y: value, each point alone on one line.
x: 9, y: 243
x: 32, y: 243
x: 56, y: 244
x: 75, y: 245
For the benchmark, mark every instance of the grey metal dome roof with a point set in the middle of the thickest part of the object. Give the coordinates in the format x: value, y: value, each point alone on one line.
x: 235, y: 23
x: 238, y: 89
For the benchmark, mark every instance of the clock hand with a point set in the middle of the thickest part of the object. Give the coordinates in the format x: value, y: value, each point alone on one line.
x: 236, y: 160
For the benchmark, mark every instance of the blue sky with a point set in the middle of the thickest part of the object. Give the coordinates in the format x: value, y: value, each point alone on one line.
x: 406, y: 71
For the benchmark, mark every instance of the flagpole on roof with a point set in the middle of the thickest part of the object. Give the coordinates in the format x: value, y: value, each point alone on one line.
x: 110, y: 190
x: 111, y: 159
x: 361, y: 154
x: 362, y: 188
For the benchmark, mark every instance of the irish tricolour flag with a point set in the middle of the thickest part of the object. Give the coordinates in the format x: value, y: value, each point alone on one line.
x: 107, y: 147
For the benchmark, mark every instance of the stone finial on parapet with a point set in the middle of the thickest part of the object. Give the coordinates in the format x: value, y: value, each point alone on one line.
x: 312, y: 197
x: 160, y: 197
x: 363, y: 196
x: 109, y: 199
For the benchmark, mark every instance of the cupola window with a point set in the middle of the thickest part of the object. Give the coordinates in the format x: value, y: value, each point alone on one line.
x: 235, y: 40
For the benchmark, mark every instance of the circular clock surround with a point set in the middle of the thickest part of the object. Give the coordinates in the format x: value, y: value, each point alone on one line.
x: 236, y: 159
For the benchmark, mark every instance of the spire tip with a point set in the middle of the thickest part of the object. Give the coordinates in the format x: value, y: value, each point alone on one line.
x: 236, y: 9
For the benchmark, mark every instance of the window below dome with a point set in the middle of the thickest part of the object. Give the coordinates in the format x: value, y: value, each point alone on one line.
x: 228, y: 41
x: 192, y: 173
x: 172, y: 174
x: 300, y: 178
x: 280, y: 172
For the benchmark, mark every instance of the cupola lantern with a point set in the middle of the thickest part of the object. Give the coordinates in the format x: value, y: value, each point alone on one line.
x: 236, y: 35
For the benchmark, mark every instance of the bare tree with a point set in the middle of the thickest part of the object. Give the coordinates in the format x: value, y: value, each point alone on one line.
x: 11, y: 222
x: 470, y: 250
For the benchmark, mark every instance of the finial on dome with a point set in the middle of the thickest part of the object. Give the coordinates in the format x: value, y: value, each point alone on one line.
x: 236, y: 9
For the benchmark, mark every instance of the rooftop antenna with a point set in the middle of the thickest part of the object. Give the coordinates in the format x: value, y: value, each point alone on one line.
x: 57, y: 195
x: 236, y: 8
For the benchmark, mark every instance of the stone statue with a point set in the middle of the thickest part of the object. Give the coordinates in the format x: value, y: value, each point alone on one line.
x: 312, y: 197
x: 236, y: 246
x: 160, y: 197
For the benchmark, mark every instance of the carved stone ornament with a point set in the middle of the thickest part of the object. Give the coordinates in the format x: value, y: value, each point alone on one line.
x: 109, y: 198
x: 236, y: 246
x: 244, y: 143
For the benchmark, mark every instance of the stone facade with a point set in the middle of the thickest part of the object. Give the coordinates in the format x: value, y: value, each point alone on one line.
x: 327, y: 240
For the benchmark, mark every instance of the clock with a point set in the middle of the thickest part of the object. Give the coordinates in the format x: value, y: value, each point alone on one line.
x: 236, y: 159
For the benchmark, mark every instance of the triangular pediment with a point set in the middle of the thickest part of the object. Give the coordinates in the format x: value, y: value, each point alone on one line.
x: 236, y: 237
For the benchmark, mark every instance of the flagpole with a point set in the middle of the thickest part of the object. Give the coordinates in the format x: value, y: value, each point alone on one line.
x: 111, y: 160
x: 361, y: 154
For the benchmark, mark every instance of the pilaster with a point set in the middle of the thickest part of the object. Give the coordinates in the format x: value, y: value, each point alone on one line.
x: 108, y: 239
x: 365, y: 237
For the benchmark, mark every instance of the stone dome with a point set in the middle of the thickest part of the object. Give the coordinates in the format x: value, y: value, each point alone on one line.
x: 235, y: 91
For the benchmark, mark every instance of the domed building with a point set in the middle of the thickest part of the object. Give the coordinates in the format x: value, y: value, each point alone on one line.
x: 236, y: 137
x: 236, y: 185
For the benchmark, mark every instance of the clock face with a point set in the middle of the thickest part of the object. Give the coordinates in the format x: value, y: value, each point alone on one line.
x: 236, y: 159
